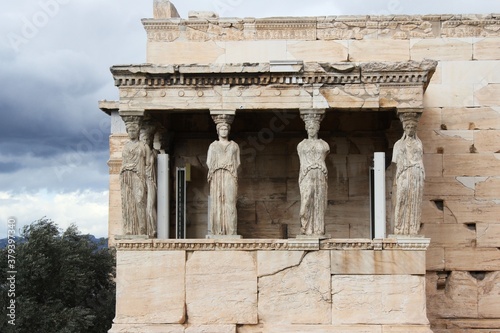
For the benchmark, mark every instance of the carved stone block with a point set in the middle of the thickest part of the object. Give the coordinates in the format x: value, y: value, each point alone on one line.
x: 433, y: 164
x: 211, y: 329
x: 442, y: 49
x: 447, y: 142
x: 434, y: 259
x: 299, y: 293
x: 330, y: 51
x: 458, y: 299
x: 378, y: 262
x: 184, y: 52
x: 378, y: 299
x: 379, y: 50
x: 487, y: 49
x: 445, y: 187
x: 467, y: 210
x: 272, y: 262
x: 487, y: 235
x: 471, y: 118
x: 487, y: 141
x: 224, y: 291
x: 141, y: 277
x: 489, y: 299
x: 471, y: 164
x: 474, y: 259
x: 462, y: 236
x: 143, y: 328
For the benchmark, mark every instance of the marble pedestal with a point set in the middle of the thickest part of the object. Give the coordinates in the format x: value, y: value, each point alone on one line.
x: 271, y: 286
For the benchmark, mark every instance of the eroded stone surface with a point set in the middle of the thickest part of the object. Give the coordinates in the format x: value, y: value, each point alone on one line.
x: 272, y: 262
x: 458, y: 298
x: 378, y: 299
x: 378, y: 262
x: 489, y: 295
x: 300, y: 294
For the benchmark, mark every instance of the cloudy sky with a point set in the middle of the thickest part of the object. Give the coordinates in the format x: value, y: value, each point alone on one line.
x: 54, y: 67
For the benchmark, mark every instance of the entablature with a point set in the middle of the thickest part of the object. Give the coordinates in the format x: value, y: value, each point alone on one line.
x: 275, y: 85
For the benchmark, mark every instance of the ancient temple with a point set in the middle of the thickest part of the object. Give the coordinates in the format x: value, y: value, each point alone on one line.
x: 368, y: 83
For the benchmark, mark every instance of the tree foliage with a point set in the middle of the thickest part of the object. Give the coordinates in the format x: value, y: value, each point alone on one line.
x: 64, y: 282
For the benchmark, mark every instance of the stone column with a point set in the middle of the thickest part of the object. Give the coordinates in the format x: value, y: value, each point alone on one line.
x: 409, y: 177
x: 223, y: 161
x: 162, y: 143
x: 313, y: 177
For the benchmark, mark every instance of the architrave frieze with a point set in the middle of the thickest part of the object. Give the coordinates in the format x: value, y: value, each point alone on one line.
x: 409, y: 244
x: 355, y: 86
x: 323, y: 28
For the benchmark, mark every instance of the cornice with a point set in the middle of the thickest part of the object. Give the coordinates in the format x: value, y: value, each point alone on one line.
x: 405, y: 244
x: 395, y: 73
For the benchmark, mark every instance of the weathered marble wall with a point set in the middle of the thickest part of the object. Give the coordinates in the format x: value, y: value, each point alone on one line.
x: 460, y: 130
x: 266, y: 286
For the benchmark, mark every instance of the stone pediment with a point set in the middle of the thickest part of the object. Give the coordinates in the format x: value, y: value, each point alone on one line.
x: 273, y: 85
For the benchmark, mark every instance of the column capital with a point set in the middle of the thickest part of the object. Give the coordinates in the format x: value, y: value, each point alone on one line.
x: 410, y: 114
x: 315, y: 115
x: 223, y: 116
x: 139, y: 113
x: 409, y: 110
x: 312, y: 111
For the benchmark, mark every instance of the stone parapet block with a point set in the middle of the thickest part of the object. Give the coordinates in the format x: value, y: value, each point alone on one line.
x: 150, y: 288
x: 379, y: 299
x: 371, y: 262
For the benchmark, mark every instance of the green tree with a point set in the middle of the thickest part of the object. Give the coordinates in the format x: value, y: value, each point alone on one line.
x: 64, y: 282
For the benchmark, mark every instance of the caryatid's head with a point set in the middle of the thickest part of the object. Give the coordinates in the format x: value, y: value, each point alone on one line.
x: 410, y: 122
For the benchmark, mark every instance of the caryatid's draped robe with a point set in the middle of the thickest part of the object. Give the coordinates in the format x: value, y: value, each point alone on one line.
x: 410, y: 175
x: 223, y: 161
x: 134, y: 190
x: 313, y: 183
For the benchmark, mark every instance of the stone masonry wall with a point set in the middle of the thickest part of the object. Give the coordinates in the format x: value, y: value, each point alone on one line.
x: 460, y: 130
x: 271, y: 286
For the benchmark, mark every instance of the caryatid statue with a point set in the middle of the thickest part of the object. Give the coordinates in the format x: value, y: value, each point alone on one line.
x: 313, y: 177
x: 410, y: 175
x: 223, y: 161
x: 148, y: 131
x: 135, y: 159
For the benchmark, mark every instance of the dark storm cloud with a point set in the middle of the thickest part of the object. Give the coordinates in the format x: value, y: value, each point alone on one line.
x: 52, y: 134
x: 9, y: 167
x: 52, y: 109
